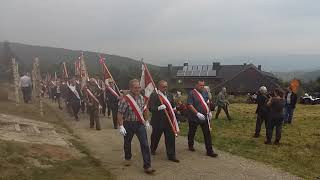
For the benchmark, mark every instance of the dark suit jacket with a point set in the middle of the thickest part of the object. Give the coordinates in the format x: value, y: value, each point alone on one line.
x: 159, y: 118
x: 262, y: 108
x: 71, y: 97
x: 112, y: 100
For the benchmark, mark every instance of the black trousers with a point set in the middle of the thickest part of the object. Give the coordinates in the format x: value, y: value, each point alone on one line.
x: 138, y: 129
x: 109, y: 108
x: 26, y: 92
x: 170, y: 141
x: 94, y: 117
x: 206, y: 134
x: 114, y: 118
x: 58, y: 99
x: 259, y: 122
x: 83, y: 106
x: 104, y: 106
x: 75, y: 106
x: 225, y: 109
x: 274, y: 122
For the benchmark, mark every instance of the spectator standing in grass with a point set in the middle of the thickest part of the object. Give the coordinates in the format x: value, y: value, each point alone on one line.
x: 291, y: 99
x: 276, y: 104
x: 262, y: 110
x: 25, y: 84
x: 223, y: 103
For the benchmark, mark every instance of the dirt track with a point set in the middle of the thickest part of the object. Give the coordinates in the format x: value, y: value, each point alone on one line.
x: 106, y: 145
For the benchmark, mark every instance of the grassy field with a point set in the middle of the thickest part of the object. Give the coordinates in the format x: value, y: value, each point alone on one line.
x: 15, y: 157
x: 299, y: 152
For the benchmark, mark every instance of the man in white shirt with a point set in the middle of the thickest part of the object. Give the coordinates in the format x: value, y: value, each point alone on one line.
x: 25, y: 84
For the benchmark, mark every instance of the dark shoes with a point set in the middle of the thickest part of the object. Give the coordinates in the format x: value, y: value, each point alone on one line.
x: 149, y: 171
x: 213, y: 154
x: 174, y: 160
x: 191, y: 148
x: 276, y: 142
x: 267, y: 142
x: 256, y: 136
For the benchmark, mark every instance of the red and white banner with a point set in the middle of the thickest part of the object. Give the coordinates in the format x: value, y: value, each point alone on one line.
x: 135, y: 108
x: 146, y: 82
x: 107, y: 78
x: 171, y: 113
x: 202, y: 101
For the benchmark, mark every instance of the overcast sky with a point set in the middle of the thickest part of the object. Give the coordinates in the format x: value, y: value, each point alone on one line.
x: 162, y: 31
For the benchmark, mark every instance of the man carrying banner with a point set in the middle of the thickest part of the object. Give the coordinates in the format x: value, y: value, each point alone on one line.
x: 131, y: 120
x: 113, y: 99
x: 160, y: 122
x: 93, y: 106
x: 200, y: 115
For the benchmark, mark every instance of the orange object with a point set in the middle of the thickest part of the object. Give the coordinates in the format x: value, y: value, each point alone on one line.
x: 294, y: 85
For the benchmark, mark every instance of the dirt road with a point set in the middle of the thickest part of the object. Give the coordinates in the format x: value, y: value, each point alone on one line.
x: 106, y: 145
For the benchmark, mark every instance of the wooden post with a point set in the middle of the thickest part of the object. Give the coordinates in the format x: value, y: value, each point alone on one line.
x: 15, y: 72
x: 36, y: 78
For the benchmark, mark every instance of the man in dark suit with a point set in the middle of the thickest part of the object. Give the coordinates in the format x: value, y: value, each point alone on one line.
x: 74, y: 98
x: 159, y: 122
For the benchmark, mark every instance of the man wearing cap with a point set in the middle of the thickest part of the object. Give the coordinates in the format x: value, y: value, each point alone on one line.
x: 262, y: 110
x: 200, y: 114
x: 132, y: 121
x: 160, y: 122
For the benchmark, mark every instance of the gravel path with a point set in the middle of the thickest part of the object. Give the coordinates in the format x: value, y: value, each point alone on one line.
x: 106, y: 145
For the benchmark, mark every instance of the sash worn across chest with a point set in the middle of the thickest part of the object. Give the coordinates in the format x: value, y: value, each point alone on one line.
x: 201, y: 100
x: 112, y: 91
x: 75, y: 92
x: 135, y: 108
x: 171, y: 113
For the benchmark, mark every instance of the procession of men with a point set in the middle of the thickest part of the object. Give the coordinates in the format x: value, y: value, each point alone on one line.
x: 148, y: 106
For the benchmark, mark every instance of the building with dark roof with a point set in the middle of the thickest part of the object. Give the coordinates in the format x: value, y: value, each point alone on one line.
x: 238, y: 79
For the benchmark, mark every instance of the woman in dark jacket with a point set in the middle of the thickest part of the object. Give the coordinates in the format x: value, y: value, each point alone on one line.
x: 276, y: 104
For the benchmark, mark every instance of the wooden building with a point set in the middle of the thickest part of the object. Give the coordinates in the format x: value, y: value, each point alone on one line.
x: 238, y: 79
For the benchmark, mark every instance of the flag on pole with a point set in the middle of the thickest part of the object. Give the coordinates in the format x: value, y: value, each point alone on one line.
x: 77, y: 67
x: 108, y: 77
x: 146, y: 82
x: 148, y: 85
x: 64, y: 71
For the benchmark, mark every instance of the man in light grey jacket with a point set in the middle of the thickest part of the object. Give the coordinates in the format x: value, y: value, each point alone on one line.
x: 25, y: 84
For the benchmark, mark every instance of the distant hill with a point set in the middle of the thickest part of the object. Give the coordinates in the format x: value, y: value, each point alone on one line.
x: 122, y: 68
x: 301, y: 75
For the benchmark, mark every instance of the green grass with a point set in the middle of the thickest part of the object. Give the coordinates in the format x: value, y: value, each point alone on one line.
x: 299, y: 152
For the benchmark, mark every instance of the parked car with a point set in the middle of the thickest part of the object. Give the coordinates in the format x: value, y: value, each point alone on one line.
x: 308, y: 99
